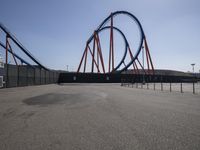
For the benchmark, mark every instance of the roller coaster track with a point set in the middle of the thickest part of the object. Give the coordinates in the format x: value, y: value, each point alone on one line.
x: 135, y: 62
x: 8, y: 48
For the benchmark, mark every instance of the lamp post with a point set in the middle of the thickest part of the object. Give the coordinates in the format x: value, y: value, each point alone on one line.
x: 193, y: 67
x: 67, y: 68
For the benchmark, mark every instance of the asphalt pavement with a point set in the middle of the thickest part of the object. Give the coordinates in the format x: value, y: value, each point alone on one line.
x: 98, y: 117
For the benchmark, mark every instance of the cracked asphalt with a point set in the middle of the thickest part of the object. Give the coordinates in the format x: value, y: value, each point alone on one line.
x: 98, y: 117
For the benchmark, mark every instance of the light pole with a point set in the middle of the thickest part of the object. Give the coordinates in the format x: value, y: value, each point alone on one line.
x: 193, y: 67
x: 67, y: 68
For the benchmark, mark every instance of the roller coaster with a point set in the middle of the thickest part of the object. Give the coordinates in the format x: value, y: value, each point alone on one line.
x: 10, y: 38
x: 98, y: 56
x: 96, y: 53
x: 135, y: 63
x: 24, y: 69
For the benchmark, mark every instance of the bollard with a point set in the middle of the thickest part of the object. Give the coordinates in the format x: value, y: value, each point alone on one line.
x: 161, y: 86
x: 193, y: 88
x: 181, y: 88
x: 136, y: 85
x: 147, y: 85
x: 154, y: 86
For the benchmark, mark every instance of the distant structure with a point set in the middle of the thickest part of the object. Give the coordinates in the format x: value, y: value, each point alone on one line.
x: 93, y: 49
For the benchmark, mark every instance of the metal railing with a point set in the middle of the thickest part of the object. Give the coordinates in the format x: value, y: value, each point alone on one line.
x: 193, y: 87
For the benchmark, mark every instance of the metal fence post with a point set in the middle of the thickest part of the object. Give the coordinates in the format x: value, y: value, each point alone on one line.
x: 181, y: 87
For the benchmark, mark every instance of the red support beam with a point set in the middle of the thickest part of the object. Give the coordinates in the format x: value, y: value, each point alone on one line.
x: 6, y: 49
x: 85, y: 58
x: 109, y: 61
x: 12, y: 53
x: 141, y: 65
x: 93, y: 54
x: 147, y: 49
x: 134, y: 64
x: 112, y: 42
x: 93, y: 58
x: 97, y: 57
x: 147, y: 58
x: 79, y: 67
x: 136, y: 67
x: 99, y: 50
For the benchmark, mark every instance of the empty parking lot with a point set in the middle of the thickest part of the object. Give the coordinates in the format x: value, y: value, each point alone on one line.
x: 97, y: 116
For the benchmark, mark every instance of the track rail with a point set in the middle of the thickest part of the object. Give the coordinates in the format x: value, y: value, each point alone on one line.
x: 94, y: 38
x: 6, y: 46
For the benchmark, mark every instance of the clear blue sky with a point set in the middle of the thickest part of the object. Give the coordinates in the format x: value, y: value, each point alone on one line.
x: 55, y: 31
